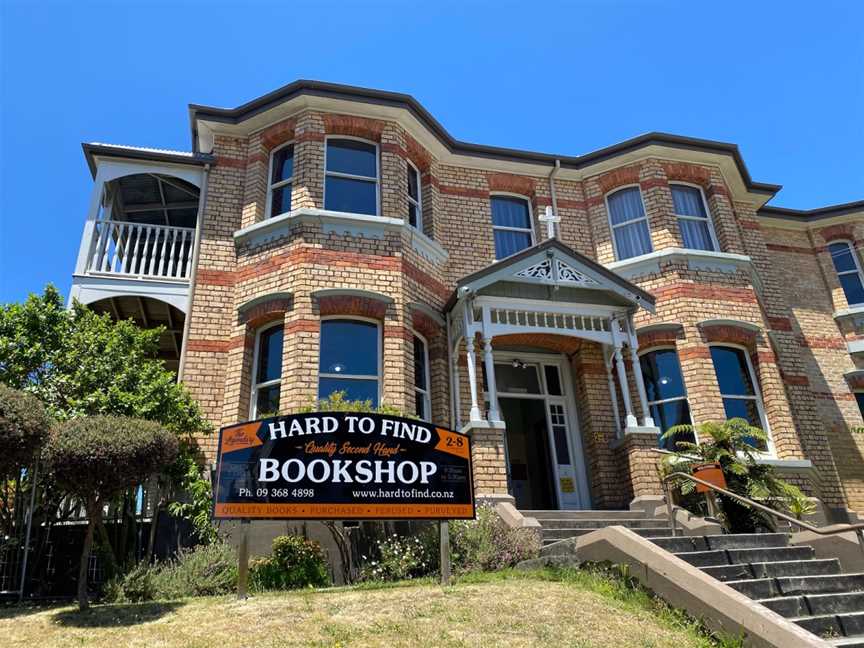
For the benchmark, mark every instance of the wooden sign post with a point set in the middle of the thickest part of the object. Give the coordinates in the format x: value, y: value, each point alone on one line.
x: 444, y: 536
x: 243, y: 560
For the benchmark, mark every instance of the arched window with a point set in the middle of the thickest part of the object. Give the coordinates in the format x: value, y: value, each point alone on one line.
x: 415, y: 208
x: 350, y: 359
x: 511, y: 225
x: 694, y: 219
x: 351, y: 176
x: 739, y: 389
x: 267, y: 371
x: 281, y: 174
x: 630, y: 234
x: 667, y: 397
x: 421, y: 379
x: 848, y: 271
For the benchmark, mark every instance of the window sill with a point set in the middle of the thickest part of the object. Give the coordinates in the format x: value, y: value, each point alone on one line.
x: 855, y: 314
x: 695, y: 259
x: 343, y: 223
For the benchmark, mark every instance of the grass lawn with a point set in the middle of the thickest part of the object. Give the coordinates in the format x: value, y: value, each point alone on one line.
x: 544, y: 608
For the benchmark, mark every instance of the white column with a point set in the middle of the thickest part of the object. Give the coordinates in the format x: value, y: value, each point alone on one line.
x: 647, y: 419
x: 607, y: 360
x: 472, y: 377
x: 456, y: 387
x: 86, y: 247
x: 489, y: 363
x: 622, y: 375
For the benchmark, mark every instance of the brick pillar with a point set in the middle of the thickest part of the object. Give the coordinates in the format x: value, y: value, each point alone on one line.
x: 638, y: 464
x: 488, y: 460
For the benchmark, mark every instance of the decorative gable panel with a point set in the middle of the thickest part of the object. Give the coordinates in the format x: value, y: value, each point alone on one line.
x: 561, y: 272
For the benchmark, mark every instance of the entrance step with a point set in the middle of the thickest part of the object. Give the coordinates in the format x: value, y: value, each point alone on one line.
x: 555, y: 534
x: 599, y: 523
x: 541, y: 515
x: 811, y: 592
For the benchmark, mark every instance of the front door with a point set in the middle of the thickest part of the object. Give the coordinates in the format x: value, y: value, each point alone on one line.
x: 542, y: 448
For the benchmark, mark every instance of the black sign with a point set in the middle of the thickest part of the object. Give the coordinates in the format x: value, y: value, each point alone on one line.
x: 342, y: 466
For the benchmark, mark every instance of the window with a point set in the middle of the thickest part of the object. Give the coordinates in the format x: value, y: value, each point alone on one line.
x: 350, y: 359
x: 281, y: 174
x: 630, y: 234
x: 351, y: 178
x: 415, y: 210
x: 667, y: 398
x: 738, y: 388
x: 848, y: 271
x: 421, y: 379
x: 694, y: 222
x: 859, y: 398
x: 511, y: 225
x: 267, y: 371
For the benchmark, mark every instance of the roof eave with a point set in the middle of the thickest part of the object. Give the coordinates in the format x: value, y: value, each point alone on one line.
x: 91, y: 151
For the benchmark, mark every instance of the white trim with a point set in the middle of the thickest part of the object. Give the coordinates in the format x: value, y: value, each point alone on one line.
x: 757, y: 393
x: 427, y: 393
x: 349, y: 176
x: 253, y: 401
x: 418, y: 203
x: 854, y: 253
x: 379, y: 378
x: 504, y: 228
x: 271, y: 185
x: 708, y: 215
x: 612, y: 227
x: 696, y: 260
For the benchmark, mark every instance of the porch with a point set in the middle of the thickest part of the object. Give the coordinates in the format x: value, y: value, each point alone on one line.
x: 594, y: 417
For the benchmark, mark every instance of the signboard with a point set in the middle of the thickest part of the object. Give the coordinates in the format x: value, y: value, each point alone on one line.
x: 342, y: 466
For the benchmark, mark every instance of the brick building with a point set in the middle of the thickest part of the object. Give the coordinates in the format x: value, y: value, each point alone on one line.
x: 564, y: 310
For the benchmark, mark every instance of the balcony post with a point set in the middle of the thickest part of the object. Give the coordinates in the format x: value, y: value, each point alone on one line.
x: 647, y: 419
x: 622, y: 375
x: 86, y: 248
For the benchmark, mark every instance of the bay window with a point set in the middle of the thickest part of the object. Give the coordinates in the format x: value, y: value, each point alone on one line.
x: 511, y: 225
x: 739, y: 389
x: 415, y: 209
x: 350, y: 359
x: 267, y: 371
x: 667, y: 397
x: 694, y: 221
x: 630, y: 234
x: 848, y: 269
x: 279, y: 185
x: 351, y: 176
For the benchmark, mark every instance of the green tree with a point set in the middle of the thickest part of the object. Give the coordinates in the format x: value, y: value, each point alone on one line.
x: 97, y: 457
x: 80, y: 363
x: 732, y: 445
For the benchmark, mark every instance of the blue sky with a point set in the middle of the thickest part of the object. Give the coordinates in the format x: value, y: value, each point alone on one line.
x: 782, y: 80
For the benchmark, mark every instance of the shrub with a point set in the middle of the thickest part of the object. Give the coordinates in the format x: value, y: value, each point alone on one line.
x: 294, y: 563
x: 24, y: 427
x: 205, y: 570
x: 95, y: 457
x: 400, y: 558
x: 488, y: 544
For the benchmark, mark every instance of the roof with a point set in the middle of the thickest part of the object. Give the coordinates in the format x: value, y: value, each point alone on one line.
x: 93, y: 149
x: 552, y: 244
x: 366, y: 95
x: 813, y: 214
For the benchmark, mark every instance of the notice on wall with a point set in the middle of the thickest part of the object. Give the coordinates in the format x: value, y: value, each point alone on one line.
x: 342, y: 466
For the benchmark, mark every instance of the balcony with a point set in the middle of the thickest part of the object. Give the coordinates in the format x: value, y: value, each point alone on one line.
x: 141, y: 251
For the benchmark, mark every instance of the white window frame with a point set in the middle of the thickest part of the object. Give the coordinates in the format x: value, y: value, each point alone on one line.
x: 504, y: 228
x: 710, y: 218
x: 380, y: 365
x: 757, y: 389
x: 685, y: 397
x: 427, y: 393
x: 253, y: 404
x: 351, y: 176
x: 612, y: 227
x: 275, y: 185
x: 857, y: 269
x: 418, y: 204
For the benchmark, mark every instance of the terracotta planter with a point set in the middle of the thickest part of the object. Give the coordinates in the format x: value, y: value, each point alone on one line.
x: 711, y: 473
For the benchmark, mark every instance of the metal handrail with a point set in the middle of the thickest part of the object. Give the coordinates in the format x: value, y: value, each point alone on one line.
x: 825, y: 531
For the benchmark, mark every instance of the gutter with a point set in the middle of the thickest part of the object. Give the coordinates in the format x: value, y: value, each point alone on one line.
x: 187, y: 323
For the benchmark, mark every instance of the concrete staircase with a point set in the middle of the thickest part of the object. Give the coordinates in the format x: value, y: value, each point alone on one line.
x: 560, y: 525
x: 812, y: 593
x: 789, y: 580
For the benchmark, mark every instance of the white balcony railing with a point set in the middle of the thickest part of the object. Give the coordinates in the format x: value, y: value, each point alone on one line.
x: 141, y: 251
